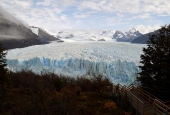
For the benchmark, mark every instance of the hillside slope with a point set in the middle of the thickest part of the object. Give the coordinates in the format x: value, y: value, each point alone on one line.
x: 43, y: 36
x: 14, y: 34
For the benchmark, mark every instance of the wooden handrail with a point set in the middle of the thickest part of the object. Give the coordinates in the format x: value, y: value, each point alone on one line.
x: 147, y: 93
x: 162, y: 107
x: 137, y: 98
x: 160, y: 103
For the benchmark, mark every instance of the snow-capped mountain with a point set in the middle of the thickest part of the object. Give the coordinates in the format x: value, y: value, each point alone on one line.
x: 62, y: 34
x: 133, y: 33
x: 43, y: 35
x: 127, y: 36
x: 108, y: 33
x: 83, y: 35
x: 118, y: 35
x: 96, y: 35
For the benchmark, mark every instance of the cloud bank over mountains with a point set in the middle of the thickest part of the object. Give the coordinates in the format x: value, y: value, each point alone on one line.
x: 5, y: 15
x: 145, y: 15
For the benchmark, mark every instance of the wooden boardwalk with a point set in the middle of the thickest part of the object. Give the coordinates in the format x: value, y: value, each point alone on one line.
x: 143, y: 102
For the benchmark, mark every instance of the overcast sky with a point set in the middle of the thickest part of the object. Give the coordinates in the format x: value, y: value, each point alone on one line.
x: 145, y: 15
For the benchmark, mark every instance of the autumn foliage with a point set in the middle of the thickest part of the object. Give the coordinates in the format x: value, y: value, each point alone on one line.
x: 49, y: 94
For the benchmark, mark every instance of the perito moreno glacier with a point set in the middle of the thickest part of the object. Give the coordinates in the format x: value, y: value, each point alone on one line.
x: 117, y: 61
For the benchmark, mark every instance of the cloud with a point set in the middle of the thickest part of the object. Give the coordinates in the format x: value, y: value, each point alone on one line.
x: 66, y: 14
x: 45, y: 3
x: 143, y: 16
x: 89, y: 5
x: 17, y: 3
x: 146, y: 29
x: 140, y: 16
x: 6, y: 15
x: 54, y: 3
x: 45, y: 17
x: 128, y: 6
x: 120, y: 15
x: 82, y: 14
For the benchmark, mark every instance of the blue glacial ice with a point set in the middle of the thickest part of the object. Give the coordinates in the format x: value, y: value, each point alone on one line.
x: 118, y: 61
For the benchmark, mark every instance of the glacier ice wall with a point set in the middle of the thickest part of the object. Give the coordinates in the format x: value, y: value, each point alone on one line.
x: 118, y: 71
x: 118, y: 61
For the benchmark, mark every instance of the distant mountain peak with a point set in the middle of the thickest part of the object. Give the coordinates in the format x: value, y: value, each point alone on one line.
x: 133, y: 30
x: 107, y: 31
x: 43, y: 35
x: 127, y: 36
x: 118, y: 34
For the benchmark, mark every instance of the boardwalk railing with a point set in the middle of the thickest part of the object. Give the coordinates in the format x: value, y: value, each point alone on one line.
x: 143, y: 102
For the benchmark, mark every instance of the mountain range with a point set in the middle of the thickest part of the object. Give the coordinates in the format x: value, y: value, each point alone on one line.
x: 15, y: 34
x: 143, y: 39
x: 127, y: 36
x: 97, y: 35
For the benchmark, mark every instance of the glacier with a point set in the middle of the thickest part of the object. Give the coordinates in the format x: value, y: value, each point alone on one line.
x: 117, y: 61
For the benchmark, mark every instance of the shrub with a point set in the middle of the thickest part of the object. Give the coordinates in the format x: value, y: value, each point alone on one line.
x: 78, y: 91
x: 110, y: 105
